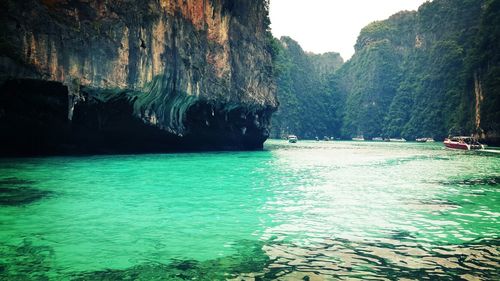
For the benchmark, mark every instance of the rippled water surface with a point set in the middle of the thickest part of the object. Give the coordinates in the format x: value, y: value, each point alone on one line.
x: 305, y: 211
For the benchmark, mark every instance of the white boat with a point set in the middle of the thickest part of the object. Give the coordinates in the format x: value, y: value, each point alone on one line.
x: 424, y: 140
x: 358, y: 139
x: 397, y: 140
x: 292, y: 138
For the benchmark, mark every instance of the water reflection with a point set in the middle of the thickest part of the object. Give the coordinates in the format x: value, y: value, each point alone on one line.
x: 369, y: 212
x: 313, y: 211
x: 386, y: 258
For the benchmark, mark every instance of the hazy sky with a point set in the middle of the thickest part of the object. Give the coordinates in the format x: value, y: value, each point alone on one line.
x: 331, y: 25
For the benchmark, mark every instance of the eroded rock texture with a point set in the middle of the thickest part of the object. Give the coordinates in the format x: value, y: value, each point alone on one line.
x: 131, y: 76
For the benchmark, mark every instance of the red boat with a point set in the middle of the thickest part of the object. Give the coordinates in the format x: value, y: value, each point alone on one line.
x: 465, y: 143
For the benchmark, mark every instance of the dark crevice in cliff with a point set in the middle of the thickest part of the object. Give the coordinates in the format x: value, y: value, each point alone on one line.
x: 133, y: 56
x: 174, y: 57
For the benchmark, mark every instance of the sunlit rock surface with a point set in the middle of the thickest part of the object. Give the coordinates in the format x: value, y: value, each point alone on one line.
x: 133, y: 76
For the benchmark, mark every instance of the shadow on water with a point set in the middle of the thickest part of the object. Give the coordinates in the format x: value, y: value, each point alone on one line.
x: 18, y: 192
x: 25, y: 262
x: 249, y: 258
x: 15, y: 181
x: 490, y: 181
x: 401, y: 235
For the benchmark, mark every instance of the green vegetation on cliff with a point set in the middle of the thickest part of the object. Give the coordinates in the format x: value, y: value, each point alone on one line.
x: 308, y: 107
x: 413, y: 75
x: 427, y: 73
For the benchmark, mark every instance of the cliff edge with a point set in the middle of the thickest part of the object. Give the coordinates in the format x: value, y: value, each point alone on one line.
x: 105, y: 76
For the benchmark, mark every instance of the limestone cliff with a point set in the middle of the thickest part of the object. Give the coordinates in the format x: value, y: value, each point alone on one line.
x: 427, y: 73
x: 308, y: 106
x: 153, y: 75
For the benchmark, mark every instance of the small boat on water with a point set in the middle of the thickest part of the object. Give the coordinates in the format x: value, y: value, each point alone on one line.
x: 358, y: 139
x: 463, y: 142
x: 424, y: 140
x: 397, y: 140
x: 292, y: 138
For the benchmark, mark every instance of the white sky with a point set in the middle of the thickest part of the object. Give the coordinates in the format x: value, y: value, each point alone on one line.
x: 331, y: 25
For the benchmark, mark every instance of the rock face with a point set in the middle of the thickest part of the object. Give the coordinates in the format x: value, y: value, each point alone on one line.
x: 132, y: 76
x: 308, y: 105
x: 427, y: 73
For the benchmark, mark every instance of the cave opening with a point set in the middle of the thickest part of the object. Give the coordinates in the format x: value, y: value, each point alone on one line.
x: 216, y: 126
x: 33, y: 116
x: 34, y: 121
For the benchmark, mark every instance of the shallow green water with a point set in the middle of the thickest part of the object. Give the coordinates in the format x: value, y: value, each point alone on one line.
x: 327, y: 210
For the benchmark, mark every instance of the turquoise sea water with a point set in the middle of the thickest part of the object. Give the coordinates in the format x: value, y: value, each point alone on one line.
x: 305, y: 211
